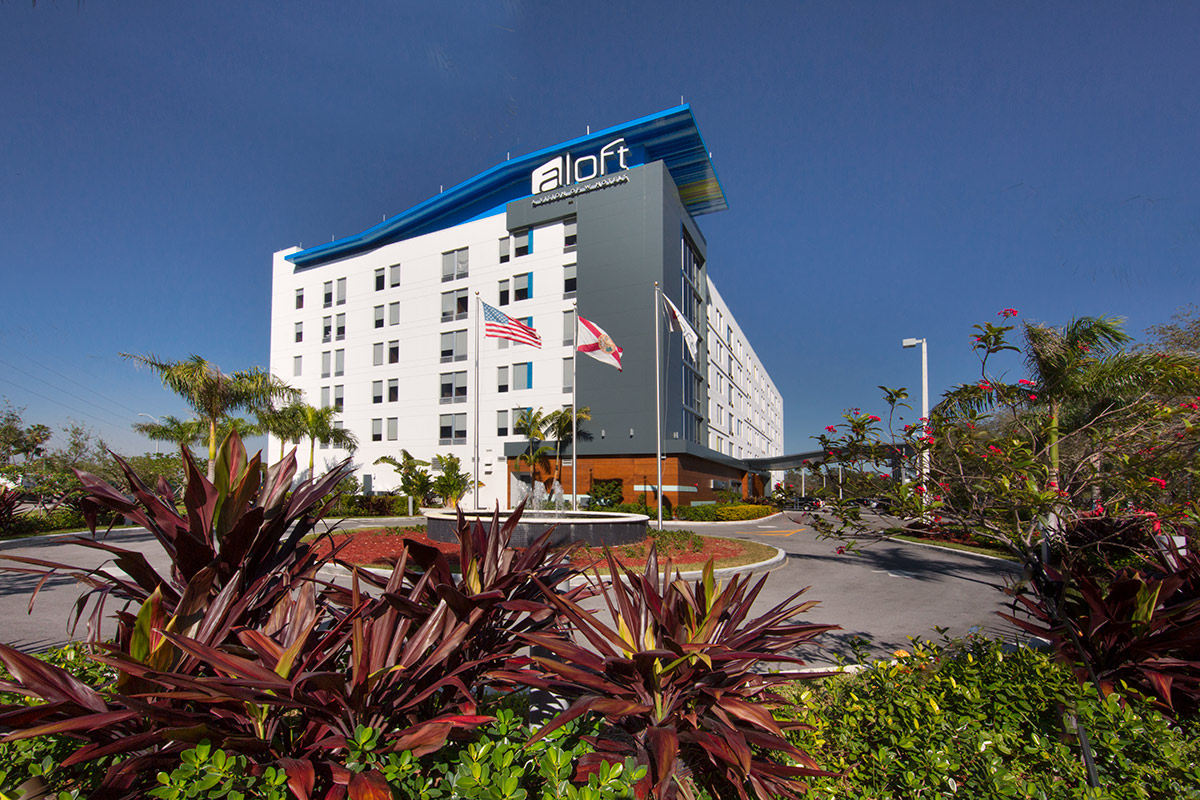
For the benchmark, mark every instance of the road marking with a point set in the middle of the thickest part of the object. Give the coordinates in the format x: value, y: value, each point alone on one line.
x: 899, y: 573
x: 770, y: 533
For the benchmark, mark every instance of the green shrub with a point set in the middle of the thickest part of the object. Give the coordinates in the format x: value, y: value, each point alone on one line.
x: 370, y: 505
x: 972, y: 720
x: 605, y: 494
x: 723, y: 513
x: 203, y: 772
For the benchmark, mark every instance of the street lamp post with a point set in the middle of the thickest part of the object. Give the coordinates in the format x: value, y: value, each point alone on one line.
x: 924, y: 408
x: 156, y: 422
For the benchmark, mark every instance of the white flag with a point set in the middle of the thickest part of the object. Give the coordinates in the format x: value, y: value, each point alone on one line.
x: 676, y: 322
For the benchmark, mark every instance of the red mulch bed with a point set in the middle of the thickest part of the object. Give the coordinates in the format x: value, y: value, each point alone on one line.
x: 378, y: 546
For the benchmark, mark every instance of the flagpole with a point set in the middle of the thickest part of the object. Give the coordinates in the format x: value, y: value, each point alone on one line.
x: 478, y: 391
x: 658, y: 395
x: 575, y: 412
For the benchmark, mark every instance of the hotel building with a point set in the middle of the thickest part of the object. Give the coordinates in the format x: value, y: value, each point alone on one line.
x: 384, y: 324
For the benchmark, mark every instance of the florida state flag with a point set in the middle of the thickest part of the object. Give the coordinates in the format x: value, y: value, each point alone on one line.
x: 598, y: 344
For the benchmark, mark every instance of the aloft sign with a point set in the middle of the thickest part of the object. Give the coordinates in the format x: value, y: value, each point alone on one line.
x: 564, y: 170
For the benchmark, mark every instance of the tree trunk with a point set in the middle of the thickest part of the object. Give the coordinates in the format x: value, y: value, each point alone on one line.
x: 212, y: 450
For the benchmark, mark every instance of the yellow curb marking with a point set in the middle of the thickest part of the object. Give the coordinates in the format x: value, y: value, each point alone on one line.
x: 769, y: 533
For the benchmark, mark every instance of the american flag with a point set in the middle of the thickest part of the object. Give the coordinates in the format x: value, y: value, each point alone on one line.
x: 499, y: 325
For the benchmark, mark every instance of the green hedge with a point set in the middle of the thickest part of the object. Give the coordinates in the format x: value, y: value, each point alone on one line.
x: 374, y: 505
x: 723, y: 513
x: 973, y: 719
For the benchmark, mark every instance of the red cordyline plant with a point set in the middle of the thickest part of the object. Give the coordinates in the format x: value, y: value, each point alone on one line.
x: 676, y: 675
x: 278, y: 664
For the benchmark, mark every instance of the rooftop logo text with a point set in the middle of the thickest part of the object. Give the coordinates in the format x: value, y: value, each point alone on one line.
x: 563, y: 170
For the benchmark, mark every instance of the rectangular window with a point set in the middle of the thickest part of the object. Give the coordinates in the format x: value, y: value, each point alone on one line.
x: 524, y: 286
x: 454, y: 264
x: 299, y: 331
x: 299, y: 298
x: 296, y: 366
x: 394, y: 275
x: 454, y: 346
x: 376, y: 391
x: 339, y: 362
x: 568, y: 327
x: 523, y: 242
x: 325, y: 362
x: 570, y: 234
x: 454, y: 305
x: 378, y: 316
x: 326, y: 330
x: 452, y: 429
x: 328, y: 294
x: 502, y: 422
x: 394, y: 351
x: 377, y: 353
x: 393, y: 313
x: 569, y: 280
x: 341, y: 291
x: 504, y: 292
x: 393, y: 390
x: 568, y: 378
x: 504, y: 250
x: 339, y: 397
x: 502, y: 379
x: 377, y: 430
x: 393, y: 428
x: 523, y: 375
x: 341, y: 327
x: 324, y: 397
x: 454, y: 387
x: 379, y: 279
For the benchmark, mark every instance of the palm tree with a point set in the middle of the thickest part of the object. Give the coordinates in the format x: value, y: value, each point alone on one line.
x: 182, y: 432
x: 284, y: 423
x: 559, y: 426
x: 415, y: 481
x: 533, y: 424
x: 213, y: 394
x: 317, y: 425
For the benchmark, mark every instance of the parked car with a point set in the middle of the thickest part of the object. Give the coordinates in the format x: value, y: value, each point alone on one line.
x: 806, y: 504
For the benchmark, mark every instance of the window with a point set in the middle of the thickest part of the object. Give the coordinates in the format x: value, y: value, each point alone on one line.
x: 569, y: 327
x: 393, y: 428
x: 377, y: 353
x: 377, y: 430
x: 378, y: 316
x: 452, y: 429
x: 504, y: 250
x: 523, y: 375
x: 376, y: 391
x: 379, y: 279
x: 324, y: 397
x: 569, y: 280
x: 502, y: 422
x: 394, y: 275
x: 299, y: 331
x: 454, y: 387
x: 341, y: 291
x: 325, y: 362
x: 299, y: 298
x: 339, y: 362
x: 504, y: 292
x: 502, y: 379
x: 524, y: 286
x: 454, y: 264
x: 454, y: 305
x: 393, y: 390
x: 341, y: 327
x: 328, y: 294
x: 326, y: 329
x: 454, y: 346
x: 570, y: 234
x: 394, y: 351
x: 339, y: 399
x: 523, y: 242
x: 393, y: 313
x: 296, y: 366
x: 568, y: 376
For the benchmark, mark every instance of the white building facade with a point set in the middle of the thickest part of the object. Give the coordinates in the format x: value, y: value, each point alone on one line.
x: 385, y: 325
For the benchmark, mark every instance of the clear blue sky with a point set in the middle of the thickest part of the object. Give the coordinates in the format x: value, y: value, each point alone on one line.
x: 892, y: 169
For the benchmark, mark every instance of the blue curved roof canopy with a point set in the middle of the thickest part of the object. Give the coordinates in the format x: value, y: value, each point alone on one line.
x: 669, y: 136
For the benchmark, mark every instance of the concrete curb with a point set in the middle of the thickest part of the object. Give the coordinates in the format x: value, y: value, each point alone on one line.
x: 50, y: 538
x: 932, y: 546
x: 685, y: 522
